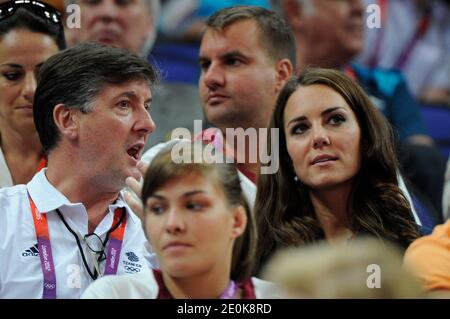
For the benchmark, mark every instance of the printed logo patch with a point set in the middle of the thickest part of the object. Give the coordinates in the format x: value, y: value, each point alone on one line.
x: 33, y: 251
x: 131, y: 266
x: 132, y: 256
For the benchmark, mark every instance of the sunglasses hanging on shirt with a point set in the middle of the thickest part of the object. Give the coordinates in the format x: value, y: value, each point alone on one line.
x: 94, y: 244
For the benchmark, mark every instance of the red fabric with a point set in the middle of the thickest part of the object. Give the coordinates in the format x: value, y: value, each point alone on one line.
x: 250, y: 175
x: 42, y: 164
x: 246, y: 287
x: 163, y: 293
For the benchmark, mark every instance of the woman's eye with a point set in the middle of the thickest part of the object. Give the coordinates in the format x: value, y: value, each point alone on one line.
x: 336, y: 119
x: 156, y: 209
x: 194, y: 206
x: 299, y: 128
x: 12, y: 76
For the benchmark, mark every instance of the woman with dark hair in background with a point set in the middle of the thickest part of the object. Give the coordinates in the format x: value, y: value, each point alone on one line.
x: 30, y: 32
x: 338, y: 173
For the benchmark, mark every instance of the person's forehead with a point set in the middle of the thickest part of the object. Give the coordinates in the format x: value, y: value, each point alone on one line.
x: 143, y: 5
x: 239, y: 35
x: 138, y: 87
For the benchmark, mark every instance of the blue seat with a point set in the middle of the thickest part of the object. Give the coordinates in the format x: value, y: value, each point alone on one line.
x: 178, y: 62
x: 437, y: 120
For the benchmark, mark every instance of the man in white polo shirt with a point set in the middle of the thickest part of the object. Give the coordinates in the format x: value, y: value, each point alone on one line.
x: 70, y: 224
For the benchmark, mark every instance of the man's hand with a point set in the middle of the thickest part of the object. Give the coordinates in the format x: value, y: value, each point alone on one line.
x: 134, y: 189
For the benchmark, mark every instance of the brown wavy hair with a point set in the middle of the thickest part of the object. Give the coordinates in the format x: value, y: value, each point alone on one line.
x: 284, y: 213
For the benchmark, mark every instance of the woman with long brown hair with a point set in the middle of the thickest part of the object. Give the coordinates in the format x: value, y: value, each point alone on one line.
x: 338, y: 174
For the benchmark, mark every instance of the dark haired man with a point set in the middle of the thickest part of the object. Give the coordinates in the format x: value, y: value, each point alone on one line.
x: 246, y: 56
x: 90, y: 111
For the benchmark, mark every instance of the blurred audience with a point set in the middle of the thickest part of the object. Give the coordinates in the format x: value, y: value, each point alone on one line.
x: 185, y: 20
x: 414, y: 38
x: 129, y: 25
x: 363, y: 268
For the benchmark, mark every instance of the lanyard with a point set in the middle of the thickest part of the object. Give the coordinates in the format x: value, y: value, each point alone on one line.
x: 115, y: 244
x: 421, y: 29
x: 45, y: 250
x: 42, y: 164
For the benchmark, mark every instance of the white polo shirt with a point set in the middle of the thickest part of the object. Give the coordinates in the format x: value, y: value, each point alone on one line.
x: 20, y: 266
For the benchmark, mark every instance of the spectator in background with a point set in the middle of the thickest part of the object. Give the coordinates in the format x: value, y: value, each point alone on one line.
x: 185, y: 20
x: 27, y: 38
x: 330, y: 34
x: 363, y: 268
x: 201, y: 228
x: 338, y: 173
x: 130, y: 25
x: 415, y: 38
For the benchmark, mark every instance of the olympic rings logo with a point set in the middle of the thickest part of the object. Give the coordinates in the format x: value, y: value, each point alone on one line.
x: 49, y: 286
x: 131, y: 269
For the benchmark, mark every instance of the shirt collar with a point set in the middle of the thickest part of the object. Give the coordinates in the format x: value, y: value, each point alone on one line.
x: 47, y: 198
x: 120, y: 202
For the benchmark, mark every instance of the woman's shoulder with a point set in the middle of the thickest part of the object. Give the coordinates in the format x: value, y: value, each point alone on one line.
x: 129, y: 286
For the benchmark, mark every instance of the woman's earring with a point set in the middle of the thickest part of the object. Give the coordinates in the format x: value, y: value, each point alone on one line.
x: 297, y: 180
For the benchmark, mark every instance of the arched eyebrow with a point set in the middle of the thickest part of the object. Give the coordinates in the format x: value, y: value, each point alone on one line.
x: 323, y: 113
x: 195, y: 192
x: 12, y: 65
x: 187, y: 194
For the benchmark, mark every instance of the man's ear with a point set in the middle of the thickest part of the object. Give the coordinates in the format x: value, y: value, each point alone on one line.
x: 285, y: 71
x: 239, y: 222
x: 293, y: 12
x: 66, y: 120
